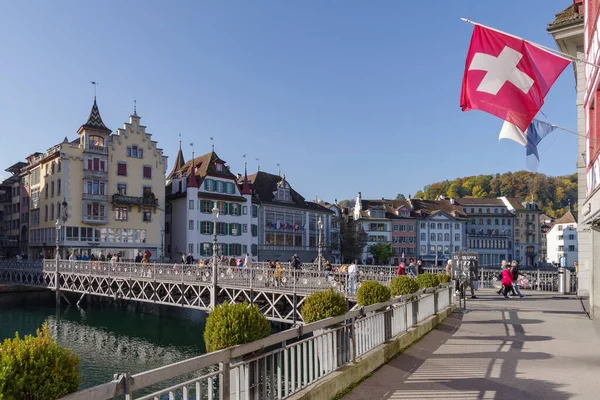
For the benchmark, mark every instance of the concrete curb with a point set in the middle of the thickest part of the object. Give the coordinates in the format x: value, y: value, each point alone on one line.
x: 334, y: 383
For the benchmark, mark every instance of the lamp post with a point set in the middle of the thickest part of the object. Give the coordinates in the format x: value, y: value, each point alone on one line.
x: 57, y: 256
x: 320, y: 256
x: 213, y: 300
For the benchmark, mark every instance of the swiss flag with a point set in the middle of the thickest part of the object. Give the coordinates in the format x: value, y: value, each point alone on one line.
x: 507, y: 76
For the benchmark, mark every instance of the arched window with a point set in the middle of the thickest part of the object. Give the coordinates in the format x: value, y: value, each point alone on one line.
x: 446, y: 226
x: 439, y: 225
x: 447, y: 237
x: 432, y: 226
x: 440, y: 237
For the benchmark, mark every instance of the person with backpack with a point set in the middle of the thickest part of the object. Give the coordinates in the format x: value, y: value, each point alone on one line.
x: 515, y: 275
x: 420, y: 268
x: 296, y: 264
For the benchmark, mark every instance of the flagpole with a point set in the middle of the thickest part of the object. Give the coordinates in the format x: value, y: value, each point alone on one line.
x: 550, y: 49
x: 570, y: 131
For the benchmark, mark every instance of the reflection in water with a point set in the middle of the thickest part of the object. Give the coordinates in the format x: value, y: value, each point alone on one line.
x: 109, y: 339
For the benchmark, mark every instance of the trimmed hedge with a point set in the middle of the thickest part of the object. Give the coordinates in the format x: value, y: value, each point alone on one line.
x: 427, y: 280
x: 232, y: 324
x: 444, y: 278
x: 323, y: 304
x: 372, y: 292
x: 36, y: 367
x: 402, y: 285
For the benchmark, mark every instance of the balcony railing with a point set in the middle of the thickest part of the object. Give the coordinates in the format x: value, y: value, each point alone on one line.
x: 95, y: 219
x: 138, y: 201
x: 95, y: 197
x: 91, y: 174
x: 96, y: 149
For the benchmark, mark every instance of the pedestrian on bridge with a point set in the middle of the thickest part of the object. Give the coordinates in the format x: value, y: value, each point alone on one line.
x: 352, y: 273
x: 514, y: 270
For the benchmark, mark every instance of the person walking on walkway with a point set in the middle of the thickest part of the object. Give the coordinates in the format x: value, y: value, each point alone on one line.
x: 352, y: 271
x: 507, y: 280
x: 515, y: 274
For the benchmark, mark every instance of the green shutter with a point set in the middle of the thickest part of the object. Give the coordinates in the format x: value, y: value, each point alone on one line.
x: 201, y: 249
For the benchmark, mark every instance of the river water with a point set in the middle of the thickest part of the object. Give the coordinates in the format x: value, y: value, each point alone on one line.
x: 109, y: 337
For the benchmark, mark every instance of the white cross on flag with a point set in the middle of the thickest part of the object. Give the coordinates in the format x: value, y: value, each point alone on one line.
x: 507, y: 76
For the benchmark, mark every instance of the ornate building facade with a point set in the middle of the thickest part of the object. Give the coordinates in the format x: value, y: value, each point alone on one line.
x: 106, y: 189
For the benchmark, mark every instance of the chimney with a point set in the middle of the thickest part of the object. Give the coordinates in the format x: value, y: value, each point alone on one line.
x: 452, y: 201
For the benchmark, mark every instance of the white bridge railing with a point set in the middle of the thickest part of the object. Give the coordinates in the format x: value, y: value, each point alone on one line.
x: 304, y: 280
x: 282, y: 364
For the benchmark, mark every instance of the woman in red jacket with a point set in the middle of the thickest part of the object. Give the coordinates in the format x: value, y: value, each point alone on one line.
x: 507, y: 280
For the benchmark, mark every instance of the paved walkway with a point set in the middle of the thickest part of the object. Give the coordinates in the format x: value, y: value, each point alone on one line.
x: 540, y: 347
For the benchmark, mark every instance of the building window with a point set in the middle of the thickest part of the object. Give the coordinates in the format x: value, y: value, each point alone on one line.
x: 205, y: 206
x: 447, y: 237
x: 147, y: 172
x: 58, y: 187
x: 457, y: 237
x: 254, y: 212
x: 146, y: 190
x: 234, y: 229
x: 222, y: 207
x: 205, y: 227
x: 146, y: 216
x: 446, y: 226
x: 135, y: 151
x: 120, y: 213
x: 571, y: 248
x: 221, y: 228
x: 122, y: 169
x: 423, y: 225
x: 423, y: 236
x: 560, y: 228
x: 46, y: 213
x: 95, y: 211
x: 208, y: 185
x: 191, y: 202
x: 122, y: 189
x: 51, y: 212
x: 245, y: 210
x: 456, y: 248
x: 254, y: 230
x: 52, y: 189
x: 432, y: 238
x: 440, y: 237
x: 191, y: 225
x: 219, y: 167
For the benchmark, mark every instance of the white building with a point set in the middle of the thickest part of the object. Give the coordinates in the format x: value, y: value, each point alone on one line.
x: 562, y: 240
x: 441, y: 229
x: 192, y: 190
x: 375, y: 224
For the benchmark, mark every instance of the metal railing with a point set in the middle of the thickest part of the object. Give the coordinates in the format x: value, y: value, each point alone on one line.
x: 282, y: 364
x: 306, y: 279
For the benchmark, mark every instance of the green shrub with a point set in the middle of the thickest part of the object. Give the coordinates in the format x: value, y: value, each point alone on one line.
x: 323, y: 304
x: 232, y: 324
x: 402, y: 285
x: 427, y: 280
x: 444, y: 278
x: 37, y: 368
x: 372, y: 292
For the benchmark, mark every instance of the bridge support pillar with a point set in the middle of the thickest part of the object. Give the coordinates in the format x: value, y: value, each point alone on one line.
x: 56, y: 281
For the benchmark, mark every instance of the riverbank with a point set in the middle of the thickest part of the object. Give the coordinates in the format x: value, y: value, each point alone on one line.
x: 10, y: 288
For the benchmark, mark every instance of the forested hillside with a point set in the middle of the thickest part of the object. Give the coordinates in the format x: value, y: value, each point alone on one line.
x: 552, y: 193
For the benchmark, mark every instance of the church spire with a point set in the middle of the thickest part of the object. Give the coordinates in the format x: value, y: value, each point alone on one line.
x: 94, y: 121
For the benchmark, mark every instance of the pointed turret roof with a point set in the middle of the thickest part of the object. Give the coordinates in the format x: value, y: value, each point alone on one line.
x: 95, y: 120
x: 245, y: 186
x: 179, y: 163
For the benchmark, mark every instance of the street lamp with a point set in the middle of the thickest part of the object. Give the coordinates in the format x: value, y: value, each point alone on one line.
x: 57, y: 256
x: 320, y: 256
x: 215, y: 213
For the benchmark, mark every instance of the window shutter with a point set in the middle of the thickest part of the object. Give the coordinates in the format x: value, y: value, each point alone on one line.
x: 201, y: 249
x: 212, y: 204
x: 225, y: 249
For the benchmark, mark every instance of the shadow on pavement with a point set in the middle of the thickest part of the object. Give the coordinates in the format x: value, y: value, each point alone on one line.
x: 468, y: 356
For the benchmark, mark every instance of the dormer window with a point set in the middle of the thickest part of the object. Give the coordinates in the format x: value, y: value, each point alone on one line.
x: 283, y: 194
x: 219, y: 167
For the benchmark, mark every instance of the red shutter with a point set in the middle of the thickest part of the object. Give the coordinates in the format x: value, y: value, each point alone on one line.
x: 121, y: 169
x: 90, y: 164
x: 96, y: 164
x: 147, y: 172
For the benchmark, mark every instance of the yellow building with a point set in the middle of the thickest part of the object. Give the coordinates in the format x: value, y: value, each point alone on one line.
x: 107, y: 190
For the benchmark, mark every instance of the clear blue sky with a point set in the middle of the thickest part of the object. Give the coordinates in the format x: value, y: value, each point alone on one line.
x: 347, y: 96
